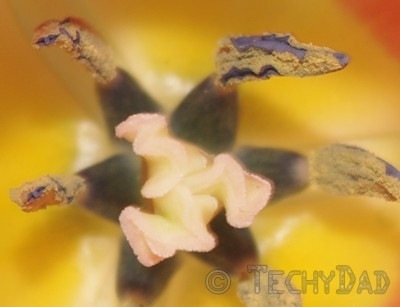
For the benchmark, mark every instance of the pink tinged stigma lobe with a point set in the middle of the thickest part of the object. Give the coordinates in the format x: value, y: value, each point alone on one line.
x: 187, y: 188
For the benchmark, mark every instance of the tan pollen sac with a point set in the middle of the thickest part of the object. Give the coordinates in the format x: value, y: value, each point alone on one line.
x: 247, y: 58
x: 47, y: 191
x: 350, y: 170
x: 81, y: 42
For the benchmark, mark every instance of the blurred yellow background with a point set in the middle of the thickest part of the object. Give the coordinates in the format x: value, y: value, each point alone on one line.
x: 65, y: 257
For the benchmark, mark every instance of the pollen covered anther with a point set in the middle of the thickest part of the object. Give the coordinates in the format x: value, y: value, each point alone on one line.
x: 187, y: 188
x: 47, y: 191
x: 351, y: 170
x: 247, y: 58
x: 73, y: 35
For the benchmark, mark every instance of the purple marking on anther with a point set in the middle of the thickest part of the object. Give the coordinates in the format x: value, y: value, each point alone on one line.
x: 47, y: 40
x: 342, y: 58
x: 237, y: 73
x: 75, y: 40
x: 36, y: 193
x: 269, y: 43
x: 391, y: 170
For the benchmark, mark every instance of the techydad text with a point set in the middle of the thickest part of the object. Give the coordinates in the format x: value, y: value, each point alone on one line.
x: 344, y: 279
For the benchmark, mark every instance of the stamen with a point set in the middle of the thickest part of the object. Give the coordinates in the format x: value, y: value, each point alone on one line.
x: 49, y: 190
x: 208, y: 116
x: 288, y: 170
x: 81, y: 42
x: 121, y: 97
x: 235, y: 250
x: 112, y: 185
x: 350, y: 170
x: 139, y: 285
x: 105, y: 188
x: 246, y: 58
